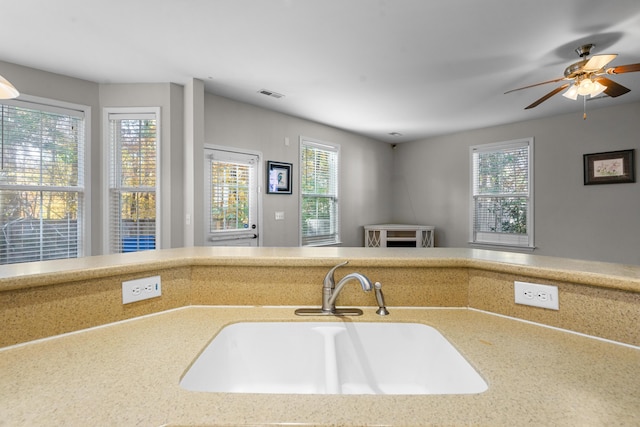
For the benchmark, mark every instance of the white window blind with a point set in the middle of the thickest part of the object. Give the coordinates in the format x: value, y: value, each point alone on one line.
x: 319, y: 193
x: 41, y: 182
x: 133, y: 161
x: 502, y: 193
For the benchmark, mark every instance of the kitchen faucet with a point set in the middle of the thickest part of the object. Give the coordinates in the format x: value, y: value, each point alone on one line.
x: 329, y: 295
x: 330, y: 292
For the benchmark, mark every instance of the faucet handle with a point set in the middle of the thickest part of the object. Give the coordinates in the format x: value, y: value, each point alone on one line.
x: 329, y: 282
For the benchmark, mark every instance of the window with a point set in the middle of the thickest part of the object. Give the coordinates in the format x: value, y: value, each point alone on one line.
x: 502, y: 196
x: 133, y: 185
x: 319, y: 193
x: 42, y: 154
x: 231, y: 198
x: 230, y: 187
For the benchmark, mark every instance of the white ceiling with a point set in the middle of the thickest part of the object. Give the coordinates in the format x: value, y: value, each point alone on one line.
x: 418, y: 67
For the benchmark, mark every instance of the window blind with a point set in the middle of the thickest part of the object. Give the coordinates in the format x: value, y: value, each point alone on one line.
x: 319, y: 188
x: 41, y: 182
x: 132, y: 182
x: 502, y: 193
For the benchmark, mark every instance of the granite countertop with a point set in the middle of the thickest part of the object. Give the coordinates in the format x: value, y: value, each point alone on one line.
x: 602, y: 274
x: 128, y: 373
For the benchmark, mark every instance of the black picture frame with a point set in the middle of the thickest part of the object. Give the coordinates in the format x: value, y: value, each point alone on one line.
x: 279, y: 177
x: 612, y: 167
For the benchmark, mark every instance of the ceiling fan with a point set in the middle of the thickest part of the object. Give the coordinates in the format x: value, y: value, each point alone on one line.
x: 587, y: 77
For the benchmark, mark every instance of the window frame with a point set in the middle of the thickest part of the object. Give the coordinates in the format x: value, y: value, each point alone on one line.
x: 503, y: 241
x: 106, y: 168
x: 84, y: 226
x: 333, y: 147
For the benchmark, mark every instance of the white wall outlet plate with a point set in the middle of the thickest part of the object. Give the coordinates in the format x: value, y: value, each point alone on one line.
x: 536, y: 295
x: 141, y: 289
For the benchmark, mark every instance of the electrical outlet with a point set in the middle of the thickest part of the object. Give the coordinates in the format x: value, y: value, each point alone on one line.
x: 141, y: 289
x: 536, y: 295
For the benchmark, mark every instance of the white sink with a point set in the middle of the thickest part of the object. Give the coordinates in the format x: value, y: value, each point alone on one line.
x: 332, y: 358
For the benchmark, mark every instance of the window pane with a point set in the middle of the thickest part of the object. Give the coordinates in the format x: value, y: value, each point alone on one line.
x: 133, y: 221
x: 137, y: 153
x: 230, y: 196
x: 501, y: 214
x: 319, y: 171
x: 41, y: 148
x: 502, y: 172
x: 38, y: 225
x: 317, y: 213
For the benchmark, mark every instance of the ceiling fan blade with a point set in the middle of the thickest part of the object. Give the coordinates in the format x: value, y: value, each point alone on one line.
x: 598, y: 61
x: 613, y: 89
x: 624, y: 69
x: 534, y: 85
x: 547, y: 96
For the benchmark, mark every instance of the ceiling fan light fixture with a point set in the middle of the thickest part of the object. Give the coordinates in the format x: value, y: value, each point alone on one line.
x: 571, y: 93
x: 585, y: 87
x: 598, y: 88
x: 7, y: 90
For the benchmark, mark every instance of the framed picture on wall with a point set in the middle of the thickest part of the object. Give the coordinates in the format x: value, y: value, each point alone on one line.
x: 612, y: 167
x: 279, y: 177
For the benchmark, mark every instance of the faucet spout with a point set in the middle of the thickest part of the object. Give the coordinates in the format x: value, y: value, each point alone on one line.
x: 366, y: 284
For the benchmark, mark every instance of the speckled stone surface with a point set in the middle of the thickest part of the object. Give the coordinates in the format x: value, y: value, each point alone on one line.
x: 601, y: 274
x: 601, y: 312
x: 128, y: 374
x: 37, y: 312
x: 47, y: 298
x: 258, y: 285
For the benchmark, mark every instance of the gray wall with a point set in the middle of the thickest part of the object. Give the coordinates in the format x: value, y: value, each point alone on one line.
x: 365, y: 173
x: 598, y: 222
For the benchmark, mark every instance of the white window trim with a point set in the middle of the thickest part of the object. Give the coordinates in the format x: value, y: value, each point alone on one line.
x: 56, y: 106
x: 106, y: 155
x: 330, y: 146
x: 504, y: 243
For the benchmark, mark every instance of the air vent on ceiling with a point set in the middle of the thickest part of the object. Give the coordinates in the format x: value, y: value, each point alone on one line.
x: 271, y: 93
